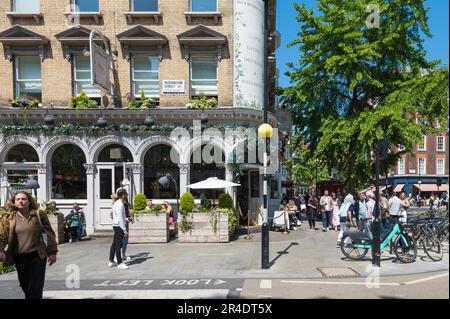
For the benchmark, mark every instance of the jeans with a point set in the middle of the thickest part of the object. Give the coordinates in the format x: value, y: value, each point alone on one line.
x: 31, y: 273
x: 125, y: 240
x: 325, y: 219
x: 116, y: 245
x: 79, y: 232
x: 344, y: 228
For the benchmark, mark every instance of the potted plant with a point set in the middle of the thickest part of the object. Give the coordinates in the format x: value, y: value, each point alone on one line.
x: 143, y: 103
x: 202, y: 103
x: 151, y: 225
x: 56, y: 218
x: 82, y: 101
x: 25, y: 102
x: 207, y: 225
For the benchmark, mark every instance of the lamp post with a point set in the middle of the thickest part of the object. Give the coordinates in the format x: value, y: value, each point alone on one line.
x: 165, y: 182
x: 265, y: 131
x: 32, y: 184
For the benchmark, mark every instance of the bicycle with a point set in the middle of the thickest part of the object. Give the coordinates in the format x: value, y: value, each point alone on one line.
x: 359, y: 243
x: 423, y: 230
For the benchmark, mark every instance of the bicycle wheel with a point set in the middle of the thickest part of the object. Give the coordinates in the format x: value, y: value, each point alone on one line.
x: 405, y: 252
x: 350, y: 251
x: 432, y: 246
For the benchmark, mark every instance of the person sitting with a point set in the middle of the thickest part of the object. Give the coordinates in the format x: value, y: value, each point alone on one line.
x: 293, y: 219
x: 75, y: 222
x: 149, y: 205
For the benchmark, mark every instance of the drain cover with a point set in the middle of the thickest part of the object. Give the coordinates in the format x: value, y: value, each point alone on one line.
x: 338, y: 272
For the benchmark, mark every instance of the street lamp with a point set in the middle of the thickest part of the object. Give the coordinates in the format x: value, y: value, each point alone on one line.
x: 265, y: 131
x: 165, y: 183
x: 32, y: 184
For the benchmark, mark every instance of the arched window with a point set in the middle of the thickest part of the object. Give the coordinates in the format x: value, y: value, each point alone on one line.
x: 115, y: 153
x: 22, y: 153
x: 69, y: 174
x: 157, y: 163
x: 203, y: 170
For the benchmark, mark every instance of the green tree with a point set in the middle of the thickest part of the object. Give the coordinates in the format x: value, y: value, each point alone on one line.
x: 355, y: 83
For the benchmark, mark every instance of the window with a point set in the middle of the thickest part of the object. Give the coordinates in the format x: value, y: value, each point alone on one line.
x: 422, y: 167
x: 145, y: 73
x: 441, y: 143
x: 82, y: 76
x: 86, y: 6
x: 26, y: 6
x: 22, y: 153
x: 440, y: 166
x: 204, y: 76
x: 203, y: 5
x: 144, y: 5
x: 422, y: 146
x: 401, y: 166
x: 28, y: 76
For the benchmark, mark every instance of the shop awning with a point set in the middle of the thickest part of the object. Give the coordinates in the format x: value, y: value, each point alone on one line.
x: 431, y: 187
x: 399, y: 188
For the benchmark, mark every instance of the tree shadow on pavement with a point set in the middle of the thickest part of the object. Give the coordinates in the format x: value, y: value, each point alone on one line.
x: 281, y: 253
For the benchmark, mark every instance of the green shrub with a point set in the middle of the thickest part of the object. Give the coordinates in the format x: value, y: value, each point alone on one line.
x: 225, y: 201
x: 205, y: 202
x: 156, y: 209
x: 82, y: 101
x: 233, y: 220
x: 140, y: 201
x: 202, y: 103
x: 6, y: 269
x: 186, y: 203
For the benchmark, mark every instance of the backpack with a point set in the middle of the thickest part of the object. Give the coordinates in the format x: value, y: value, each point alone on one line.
x: 75, y: 221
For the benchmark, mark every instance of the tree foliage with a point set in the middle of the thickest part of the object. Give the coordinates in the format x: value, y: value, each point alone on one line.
x: 354, y: 84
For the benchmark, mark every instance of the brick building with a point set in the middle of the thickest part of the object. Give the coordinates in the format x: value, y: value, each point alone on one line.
x: 172, y: 51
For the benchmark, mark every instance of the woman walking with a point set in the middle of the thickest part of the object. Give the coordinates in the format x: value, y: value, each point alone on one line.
x: 335, y: 221
x: 312, y: 211
x: 31, y: 242
x: 345, y: 216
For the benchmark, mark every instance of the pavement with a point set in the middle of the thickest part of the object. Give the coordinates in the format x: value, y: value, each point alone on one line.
x: 185, y: 269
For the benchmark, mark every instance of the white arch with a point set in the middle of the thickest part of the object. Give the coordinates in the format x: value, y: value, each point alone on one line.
x: 54, y: 143
x: 198, y: 142
x: 102, y: 142
x: 8, y: 143
x: 154, y: 141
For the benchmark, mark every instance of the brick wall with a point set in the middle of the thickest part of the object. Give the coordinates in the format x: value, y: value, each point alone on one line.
x: 56, y: 71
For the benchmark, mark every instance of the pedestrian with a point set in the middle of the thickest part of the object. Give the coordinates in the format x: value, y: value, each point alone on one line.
x: 120, y: 230
x: 169, y: 210
x: 345, y: 216
x: 395, y: 204
x: 444, y: 200
x: 128, y: 219
x: 361, y: 210
x: 384, y: 210
x: 149, y: 206
x: 30, y: 242
x: 404, y: 207
x: 76, y: 221
x: 370, y: 205
x: 335, y: 220
x: 325, y: 207
x: 312, y: 210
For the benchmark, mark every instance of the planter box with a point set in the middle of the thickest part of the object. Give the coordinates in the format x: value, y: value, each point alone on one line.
x: 203, y: 231
x: 149, y: 228
x: 57, y: 223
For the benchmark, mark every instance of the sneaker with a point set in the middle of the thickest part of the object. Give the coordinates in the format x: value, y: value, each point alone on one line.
x: 299, y: 223
x: 112, y: 264
x: 122, y: 266
x: 338, y: 245
x: 127, y: 258
x: 324, y: 229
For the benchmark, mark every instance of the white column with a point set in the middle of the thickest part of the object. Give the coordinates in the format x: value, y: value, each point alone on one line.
x: 138, y: 181
x: 42, y: 192
x: 89, y: 210
x: 184, y: 178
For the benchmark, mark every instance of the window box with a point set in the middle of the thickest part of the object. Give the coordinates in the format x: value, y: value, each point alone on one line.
x: 21, y: 15
x: 97, y: 16
x: 216, y: 15
x: 156, y: 16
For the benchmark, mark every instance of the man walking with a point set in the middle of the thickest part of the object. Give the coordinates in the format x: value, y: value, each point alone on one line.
x: 361, y: 211
x: 325, y: 207
x: 395, y: 205
x: 120, y: 230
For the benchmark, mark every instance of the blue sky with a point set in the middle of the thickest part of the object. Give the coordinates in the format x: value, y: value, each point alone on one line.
x: 437, y: 47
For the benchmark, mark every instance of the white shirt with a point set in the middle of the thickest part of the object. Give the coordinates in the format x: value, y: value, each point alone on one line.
x: 395, y: 205
x: 119, y: 214
x: 370, y: 206
x: 326, y: 202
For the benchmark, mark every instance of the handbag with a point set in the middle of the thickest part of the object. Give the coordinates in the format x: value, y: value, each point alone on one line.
x: 43, y: 232
x: 170, y: 220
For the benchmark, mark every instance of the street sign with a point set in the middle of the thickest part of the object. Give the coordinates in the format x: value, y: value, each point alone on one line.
x: 173, y: 87
x: 100, y: 68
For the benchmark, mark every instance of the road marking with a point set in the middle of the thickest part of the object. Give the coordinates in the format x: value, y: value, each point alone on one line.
x: 337, y: 283
x: 137, y: 294
x: 425, y: 279
x: 238, y: 289
x: 265, y: 284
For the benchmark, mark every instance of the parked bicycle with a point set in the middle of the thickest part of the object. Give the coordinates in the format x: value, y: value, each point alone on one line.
x: 423, y: 230
x: 356, y: 244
